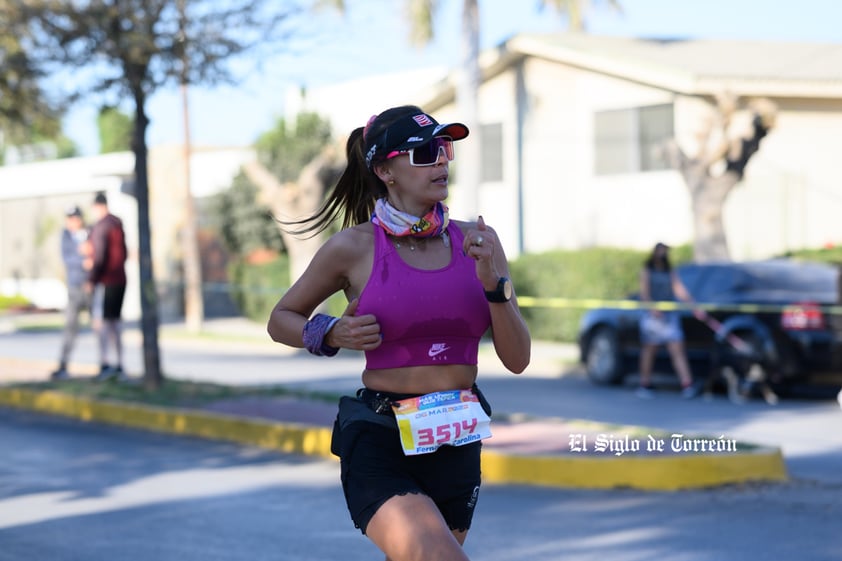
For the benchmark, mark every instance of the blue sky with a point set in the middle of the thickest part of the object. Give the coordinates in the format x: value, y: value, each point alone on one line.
x: 372, y: 39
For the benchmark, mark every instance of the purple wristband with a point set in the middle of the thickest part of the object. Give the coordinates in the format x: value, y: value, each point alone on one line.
x: 314, y: 335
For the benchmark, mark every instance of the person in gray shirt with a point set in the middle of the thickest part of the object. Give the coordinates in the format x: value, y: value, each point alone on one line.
x: 75, y: 252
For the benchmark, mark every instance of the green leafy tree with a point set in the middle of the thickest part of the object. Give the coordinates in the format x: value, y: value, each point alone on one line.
x: 297, y: 165
x: 131, y: 48
x: 293, y: 172
x: 115, y: 130
x: 26, y: 113
x: 244, y: 224
x: 65, y: 147
x: 288, y: 147
x: 246, y: 228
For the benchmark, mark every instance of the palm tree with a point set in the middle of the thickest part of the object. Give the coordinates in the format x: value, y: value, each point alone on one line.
x: 576, y: 10
x: 421, y: 14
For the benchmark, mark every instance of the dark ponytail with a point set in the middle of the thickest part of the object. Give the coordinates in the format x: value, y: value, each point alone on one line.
x: 358, y: 187
x: 353, y: 196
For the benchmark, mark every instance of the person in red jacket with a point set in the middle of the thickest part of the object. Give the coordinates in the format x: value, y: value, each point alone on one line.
x: 107, y: 281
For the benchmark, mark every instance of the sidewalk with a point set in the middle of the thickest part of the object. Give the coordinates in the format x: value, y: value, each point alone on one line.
x: 535, y: 451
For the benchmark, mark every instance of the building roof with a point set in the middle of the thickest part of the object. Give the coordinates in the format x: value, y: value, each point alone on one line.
x: 698, y: 66
x: 69, y: 175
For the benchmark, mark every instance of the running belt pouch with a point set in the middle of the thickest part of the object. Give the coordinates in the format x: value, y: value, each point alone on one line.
x: 482, y: 401
x: 335, y: 443
x: 353, y: 410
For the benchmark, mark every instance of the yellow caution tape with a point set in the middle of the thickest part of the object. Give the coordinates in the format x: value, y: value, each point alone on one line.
x: 591, y: 303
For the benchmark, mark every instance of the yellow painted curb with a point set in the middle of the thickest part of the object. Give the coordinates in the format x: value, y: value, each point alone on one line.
x: 661, y: 473
x: 286, y: 437
x: 665, y: 473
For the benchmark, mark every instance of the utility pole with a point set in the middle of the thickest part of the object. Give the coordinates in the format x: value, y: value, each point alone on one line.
x: 469, y: 167
x: 194, y: 310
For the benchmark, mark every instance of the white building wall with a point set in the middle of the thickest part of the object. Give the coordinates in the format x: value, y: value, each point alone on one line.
x: 498, y: 203
x: 552, y: 175
x: 791, y: 197
x: 33, y: 199
x: 567, y: 205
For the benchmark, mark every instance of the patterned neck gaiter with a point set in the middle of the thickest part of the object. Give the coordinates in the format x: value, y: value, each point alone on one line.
x: 400, y: 224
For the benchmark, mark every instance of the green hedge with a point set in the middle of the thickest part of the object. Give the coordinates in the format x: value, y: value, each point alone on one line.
x: 593, y: 273
x: 831, y: 255
x: 13, y: 303
x: 597, y: 273
x: 256, y: 288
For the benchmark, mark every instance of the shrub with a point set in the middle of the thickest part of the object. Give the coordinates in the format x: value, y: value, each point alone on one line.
x: 588, y: 274
x: 830, y: 255
x: 13, y: 303
x: 255, y: 288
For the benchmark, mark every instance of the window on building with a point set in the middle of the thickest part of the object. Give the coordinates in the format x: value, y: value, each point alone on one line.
x: 628, y: 140
x: 492, y: 152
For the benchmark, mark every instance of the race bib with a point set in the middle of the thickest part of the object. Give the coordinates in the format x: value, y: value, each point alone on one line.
x: 453, y: 418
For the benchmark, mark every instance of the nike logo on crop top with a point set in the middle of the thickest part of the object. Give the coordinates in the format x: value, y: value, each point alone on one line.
x: 437, y: 349
x: 426, y: 317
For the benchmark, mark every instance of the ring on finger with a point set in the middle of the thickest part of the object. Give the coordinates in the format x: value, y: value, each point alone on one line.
x: 479, y: 240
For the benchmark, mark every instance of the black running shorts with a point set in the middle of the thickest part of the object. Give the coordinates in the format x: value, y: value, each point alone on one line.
x: 112, y: 304
x: 374, y: 469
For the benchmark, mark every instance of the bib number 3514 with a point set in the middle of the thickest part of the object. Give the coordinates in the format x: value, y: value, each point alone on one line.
x: 449, y: 418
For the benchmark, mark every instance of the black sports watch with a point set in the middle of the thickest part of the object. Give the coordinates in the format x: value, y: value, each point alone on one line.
x: 503, y: 292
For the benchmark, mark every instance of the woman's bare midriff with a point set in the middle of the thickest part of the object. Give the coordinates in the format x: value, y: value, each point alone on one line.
x: 421, y: 379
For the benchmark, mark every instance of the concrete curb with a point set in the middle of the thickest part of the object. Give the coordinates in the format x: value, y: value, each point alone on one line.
x: 285, y: 437
x: 651, y: 473
x: 656, y: 473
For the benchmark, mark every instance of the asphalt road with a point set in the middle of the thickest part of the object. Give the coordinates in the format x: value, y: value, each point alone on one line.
x: 71, y: 491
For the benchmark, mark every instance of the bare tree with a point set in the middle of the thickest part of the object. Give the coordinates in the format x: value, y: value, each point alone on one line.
x: 131, y: 48
x: 724, y: 145
x: 297, y: 199
x: 297, y: 164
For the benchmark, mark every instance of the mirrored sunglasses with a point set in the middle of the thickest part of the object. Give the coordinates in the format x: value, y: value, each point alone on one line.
x: 427, y: 154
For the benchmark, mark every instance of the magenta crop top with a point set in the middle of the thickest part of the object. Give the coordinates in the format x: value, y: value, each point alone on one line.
x: 426, y: 317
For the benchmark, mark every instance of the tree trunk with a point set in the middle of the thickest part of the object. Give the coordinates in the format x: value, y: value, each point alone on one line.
x: 296, y: 200
x: 152, y: 376
x: 708, y: 202
x: 708, y: 193
x: 707, y: 198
